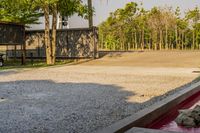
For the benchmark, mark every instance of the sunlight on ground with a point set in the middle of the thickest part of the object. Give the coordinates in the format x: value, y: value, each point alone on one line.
x: 138, y: 98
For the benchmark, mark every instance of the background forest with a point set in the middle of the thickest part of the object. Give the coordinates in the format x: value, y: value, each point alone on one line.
x: 133, y: 28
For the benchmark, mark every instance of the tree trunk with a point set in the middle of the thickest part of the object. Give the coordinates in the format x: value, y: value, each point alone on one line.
x: 121, y: 39
x: 132, y: 39
x: 54, y: 25
x: 166, y: 38
x: 197, y: 45
x: 185, y: 38
x: 124, y: 40
x: 103, y: 43
x: 149, y: 41
x: 47, y: 35
x: 193, y: 40
x: 176, y: 34
x: 170, y: 41
x: 142, y: 37
x: 155, y: 40
x: 136, y: 46
x: 160, y: 43
x: 182, y: 40
x: 139, y: 39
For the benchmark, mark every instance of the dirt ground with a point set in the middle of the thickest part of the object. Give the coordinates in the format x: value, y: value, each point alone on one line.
x: 93, y: 95
x: 183, y: 59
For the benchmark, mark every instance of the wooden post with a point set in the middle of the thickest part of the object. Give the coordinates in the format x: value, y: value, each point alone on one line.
x: 94, y: 43
x: 90, y: 13
x: 24, y: 49
x: 15, y: 52
x: 6, y: 52
x: 24, y: 54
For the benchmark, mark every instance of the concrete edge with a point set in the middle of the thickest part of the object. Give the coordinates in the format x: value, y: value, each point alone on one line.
x: 144, y: 130
x: 148, y: 115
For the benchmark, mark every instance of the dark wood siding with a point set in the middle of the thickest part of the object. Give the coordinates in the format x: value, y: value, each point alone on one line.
x: 11, y: 34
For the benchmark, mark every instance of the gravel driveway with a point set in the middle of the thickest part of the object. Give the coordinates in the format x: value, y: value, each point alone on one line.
x: 81, y: 98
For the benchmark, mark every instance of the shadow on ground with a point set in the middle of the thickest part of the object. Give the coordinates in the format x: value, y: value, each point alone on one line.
x: 115, y: 53
x: 47, y: 106
x: 2, y: 73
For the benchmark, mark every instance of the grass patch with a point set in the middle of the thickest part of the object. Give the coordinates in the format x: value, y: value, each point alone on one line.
x: 11, y: 64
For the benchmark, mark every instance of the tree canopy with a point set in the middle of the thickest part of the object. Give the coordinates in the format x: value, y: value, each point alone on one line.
x: 29, y: 11
x: 19, y: 11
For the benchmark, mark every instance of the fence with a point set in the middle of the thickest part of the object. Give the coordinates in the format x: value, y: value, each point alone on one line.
x: 71, y: 43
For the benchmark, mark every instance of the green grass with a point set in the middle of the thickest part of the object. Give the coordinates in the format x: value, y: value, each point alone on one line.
x: 11, y: 64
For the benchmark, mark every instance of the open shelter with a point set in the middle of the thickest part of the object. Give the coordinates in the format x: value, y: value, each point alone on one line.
x: 13, y: 34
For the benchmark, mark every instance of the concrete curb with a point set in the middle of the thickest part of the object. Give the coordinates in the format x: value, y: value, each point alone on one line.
x: 148, y: 115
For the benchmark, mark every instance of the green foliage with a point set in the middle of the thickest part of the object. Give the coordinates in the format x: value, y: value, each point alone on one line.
x: 69, y: 7
x: 133, y: 27
x: 19, y: 11
x: 28, y: 11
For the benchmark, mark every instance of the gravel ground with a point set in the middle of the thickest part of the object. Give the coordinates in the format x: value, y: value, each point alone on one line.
x: 82, y: 98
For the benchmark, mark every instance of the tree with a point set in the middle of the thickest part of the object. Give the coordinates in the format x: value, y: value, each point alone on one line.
x: 169, y: 21
x: 142, y: 22
x: 154, y: 22
x: 53, y: 7
x: 193, y: 16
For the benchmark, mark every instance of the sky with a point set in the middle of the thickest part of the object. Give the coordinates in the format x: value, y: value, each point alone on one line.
x: 104, y: 7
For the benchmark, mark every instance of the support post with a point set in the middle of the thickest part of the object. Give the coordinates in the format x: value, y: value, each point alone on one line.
x: 15, y: 52
x: 24, y: 50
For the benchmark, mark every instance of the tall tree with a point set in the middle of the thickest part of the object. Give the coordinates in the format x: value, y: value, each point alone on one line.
x: 193, y: 16
x: 169, y: 21
x: 53, y: 7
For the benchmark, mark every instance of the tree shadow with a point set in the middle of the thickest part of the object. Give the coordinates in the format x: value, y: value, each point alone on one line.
x: 77, y: 43
x: 196, y: 72
x: 6, y: 72
x: 47, y: 106
x: 115, y: 53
